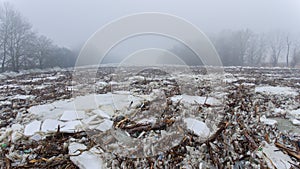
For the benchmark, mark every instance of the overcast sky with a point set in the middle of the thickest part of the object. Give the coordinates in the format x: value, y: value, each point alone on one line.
x: 71, y: 22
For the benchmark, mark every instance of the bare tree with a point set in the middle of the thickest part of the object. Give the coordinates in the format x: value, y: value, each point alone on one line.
x: 15, y: 31
x: 21, y: 48
x: 43, y: 46
x: 256, y: 50
x: 5, y: 20
x: 232, y: 46
x: 288, y: 43
x: 276, y: 46
x: 242, y: 40
x: 295, y: 56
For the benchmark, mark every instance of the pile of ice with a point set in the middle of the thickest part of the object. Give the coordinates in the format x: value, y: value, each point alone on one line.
x: 92, y: 111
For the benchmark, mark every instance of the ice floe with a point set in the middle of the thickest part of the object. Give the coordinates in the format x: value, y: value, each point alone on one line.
x: 270, y: 122
x: 32, y: 128
x: 198, y: 127
x: 296, y: 122
x: 105, y: 125
x: 87, y: 159
x: 276, y: 90
x: 275, y: 158
x: 295, y: 113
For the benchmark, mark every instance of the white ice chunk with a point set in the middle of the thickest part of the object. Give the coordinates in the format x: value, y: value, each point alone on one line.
x: 71, y: 127
x: 198, y: 127
x: 87, y: 159
x: 23, y: 97
x: 17, y: 127
x: 32, y: 128
x: 278, y: 111
x: 89, y: 120
x: 270, y: 122
x: 16, y: 132
x: 276, y: 158
x: 295, y: 113
x: 50, y: 125
x: 101, y: 113
x: 296, y: 122
x: 105, y: 125
x: 276, y: 90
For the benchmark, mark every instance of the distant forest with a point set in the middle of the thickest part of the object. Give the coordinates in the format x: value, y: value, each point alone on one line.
x: 22, y: 48
x: 247, y: 48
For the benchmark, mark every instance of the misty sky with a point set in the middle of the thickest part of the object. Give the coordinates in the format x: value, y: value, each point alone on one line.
x: 71, y: 22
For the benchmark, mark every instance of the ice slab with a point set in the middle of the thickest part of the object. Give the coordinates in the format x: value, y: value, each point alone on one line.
x: 198, y: 127
x: 296, y: 122
x: 32, y: 128
x: 295, y: 113
x: 105, y: 125
x: 270, y: 122
x: 276, y: 159
x: 101, y: 113
x: 50, y: 125
x: 71, y: 126
x: 87, y: 159
x: 276, y: 90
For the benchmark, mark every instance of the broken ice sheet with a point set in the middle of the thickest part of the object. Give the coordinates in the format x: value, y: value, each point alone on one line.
x: 71, y: 127
x: 101, y: 113
x: 71, y: 115
x: 105, y: 125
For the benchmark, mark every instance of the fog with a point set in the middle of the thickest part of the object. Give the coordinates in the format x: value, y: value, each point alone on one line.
x: 235, y: 28
x: 71, y: 22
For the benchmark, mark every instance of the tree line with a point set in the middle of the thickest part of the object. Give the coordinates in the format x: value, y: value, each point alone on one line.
x: 23, y: 48
x: 247, y: 48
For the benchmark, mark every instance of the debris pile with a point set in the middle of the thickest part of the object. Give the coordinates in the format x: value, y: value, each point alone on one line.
x: 245, y: 118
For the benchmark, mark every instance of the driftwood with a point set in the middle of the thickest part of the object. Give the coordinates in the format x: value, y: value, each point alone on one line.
x: 251, y: 140
x: 140, y: 127
x: 288, y: 151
